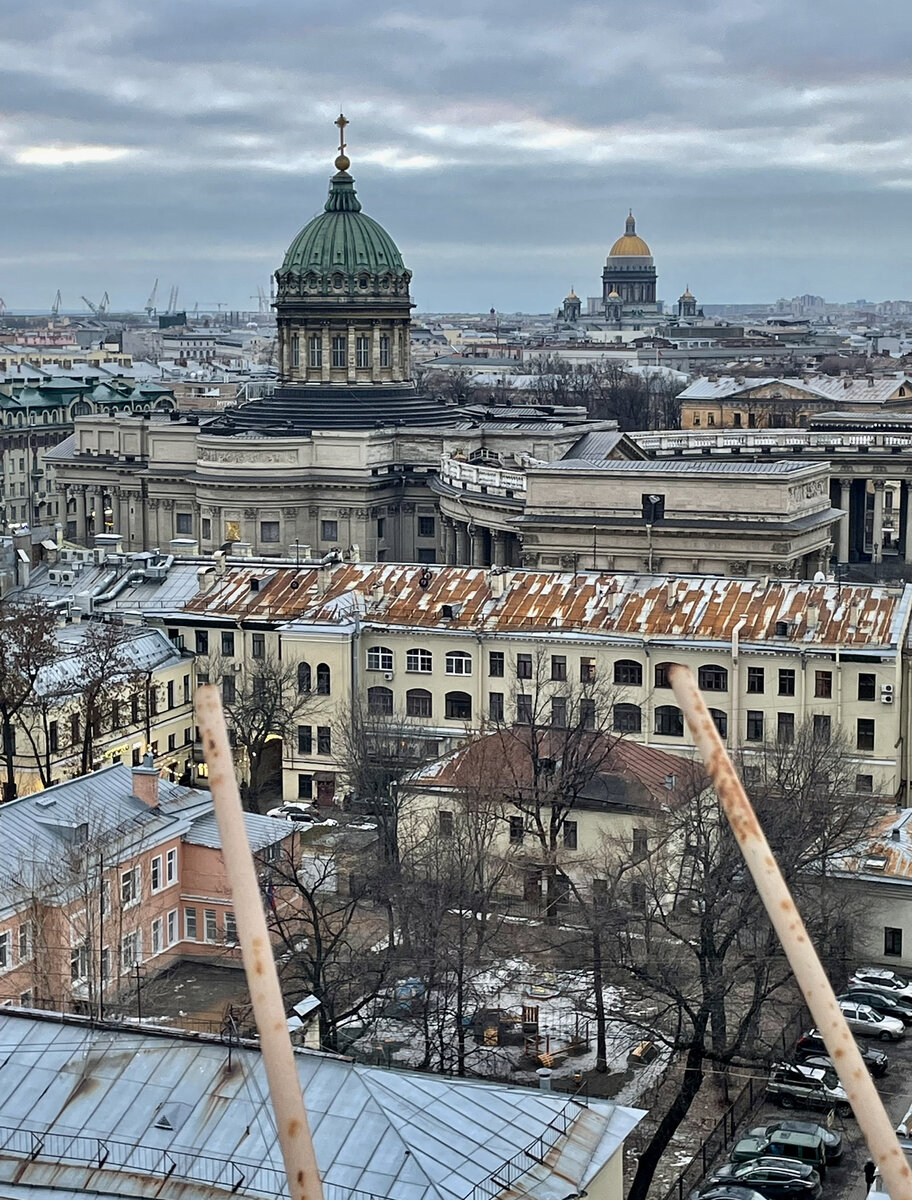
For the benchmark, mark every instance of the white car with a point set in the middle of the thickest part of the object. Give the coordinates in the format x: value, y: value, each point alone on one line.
x: 299, y: 813
x: 881, y: 979
x: 867, y: 1022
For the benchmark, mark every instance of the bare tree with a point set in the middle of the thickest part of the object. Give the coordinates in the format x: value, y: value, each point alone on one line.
x: 27, y: 647
x: 263, y: 701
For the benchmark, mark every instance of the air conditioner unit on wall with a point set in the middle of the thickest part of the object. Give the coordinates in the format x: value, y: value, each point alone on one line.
x: 389, y: 676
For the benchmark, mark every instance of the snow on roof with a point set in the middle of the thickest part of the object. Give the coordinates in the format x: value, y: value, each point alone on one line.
x: 391, y: 1134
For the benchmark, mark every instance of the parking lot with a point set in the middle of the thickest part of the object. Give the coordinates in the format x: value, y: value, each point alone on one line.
x: 845, y: 1181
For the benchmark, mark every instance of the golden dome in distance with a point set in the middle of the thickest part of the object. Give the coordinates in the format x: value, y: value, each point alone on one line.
x: 630, y: 246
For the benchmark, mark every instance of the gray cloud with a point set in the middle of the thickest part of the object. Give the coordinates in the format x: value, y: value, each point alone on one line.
x: 766, y: 146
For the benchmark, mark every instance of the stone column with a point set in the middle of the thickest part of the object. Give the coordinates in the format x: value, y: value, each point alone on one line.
x: 81, y: 503
x: 351, y: 352
x: 845, y: 503
x: 877, y: 531
x: 449, y: 541
x: 326, y: 346
x: 478, y: 555
x: 498, y: 557
x: 396, y: 352
x: 462, y: 544
x: 375, y: 353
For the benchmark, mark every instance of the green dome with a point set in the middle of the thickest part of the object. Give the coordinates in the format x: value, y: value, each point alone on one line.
x: 343, y: 250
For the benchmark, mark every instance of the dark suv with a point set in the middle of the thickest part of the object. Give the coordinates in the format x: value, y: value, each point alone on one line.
x: 811, y: 1045
x: 798, y: 1085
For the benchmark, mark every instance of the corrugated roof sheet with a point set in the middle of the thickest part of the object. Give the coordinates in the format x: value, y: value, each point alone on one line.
x: 261, y: 831
x: 655, y: 606
x: 678, y: 466
x: 393, y: 1134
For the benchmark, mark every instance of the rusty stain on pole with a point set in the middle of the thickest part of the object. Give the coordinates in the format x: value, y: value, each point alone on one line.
x: 812, y: 979
x: 256, y: 949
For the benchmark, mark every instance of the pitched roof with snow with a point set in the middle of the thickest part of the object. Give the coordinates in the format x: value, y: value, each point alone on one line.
x: 167, y: 1108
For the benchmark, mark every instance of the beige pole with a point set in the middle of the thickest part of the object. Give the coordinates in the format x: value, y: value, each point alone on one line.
x: 256, y: 949
x: 815, y: 986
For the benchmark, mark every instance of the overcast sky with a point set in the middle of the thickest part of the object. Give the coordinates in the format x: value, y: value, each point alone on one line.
x: 764, y: 145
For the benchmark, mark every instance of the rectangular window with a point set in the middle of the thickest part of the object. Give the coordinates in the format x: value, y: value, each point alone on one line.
x: 184, y: 522
x: 640, y: 843
x: 587, y: 670
x: 155, y: 873
x: 339, y: 350
x: 755, y: 681
x: 587, y: 714
x: 158, y: 935
x: 822, y: 728
x: 823, y: 684
x: 867, y: 686
x: 74, y: 728
x: 426, y: 527
x: 865, y: 734
x: 381, y: 528
x: 186, y: 689
x: 559, y: 712
x: 227, y: 643
x: 169, y: 693
x: 172, y: 927
x: 53, y: 737
x: 329, y: 531
x: 305, y: 739
x: 229, y: 689
x: 231, y: 935
x: 785, y: 728
x: 202, y: 641
x: 171, y: 867
x: 305, y: 787
x: 864, y: 785
x: 559, y: 667
x: 786, y: 682
x: 206, y: 528
x: 6, y: 950
x: 190, y: 924
x: 324, y: 739
x: 134, y: 710
x: 258, y: 645
x: 269, y: 531
x: 316, y: 352
x: 79, y: 963
x: 524, y: 666
x: 25, y: 941
x: 496, y: 706
x: 516, y: 831
x: 523, y: 709
x: 362, y: 351
x: 295, y: 350
x: 496, y: 664
x: 419, y: 660
x: 384, y: 350
x: 130, y: 889
x: 445, y: 823
x: 892, y: 942
x: 130, y: 951
x: 570, y: 835
x: 210, y: 925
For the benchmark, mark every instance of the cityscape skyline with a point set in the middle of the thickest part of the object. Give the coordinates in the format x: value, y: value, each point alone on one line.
x: 758, y: 146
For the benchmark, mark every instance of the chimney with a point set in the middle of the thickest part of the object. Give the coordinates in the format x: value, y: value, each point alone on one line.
x: 219, y: 559
x: 671, y: 592
x: 377, y: 593
x: 544, y: 1078
x: 496, y: 582
x: 354, y: 553
x: 205, y: 579
x: 854, y: 615
x: 813, y: 616
x: 145, y: 781
x: 896, y: 834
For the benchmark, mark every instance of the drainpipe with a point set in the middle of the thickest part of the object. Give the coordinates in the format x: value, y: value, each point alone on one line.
x: 736, y: 684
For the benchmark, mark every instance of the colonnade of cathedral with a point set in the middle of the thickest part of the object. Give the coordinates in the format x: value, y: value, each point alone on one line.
x: 464, y: 543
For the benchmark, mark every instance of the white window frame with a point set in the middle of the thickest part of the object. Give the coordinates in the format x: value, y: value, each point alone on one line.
x: 133, y: 888
x: 25, y: 942
x: 195, y: 935
x: 79, y: 951
x: 157, y: 936
x: 135, y: 939
x: 419, y: 661
x: 6, y: 950
x: 379, y: 658
x: 231, y: 933
x: 210, y: 925
x: 155, y: 874
x: 460, y: 657
x: 171, y: 867
x: 173, y: 927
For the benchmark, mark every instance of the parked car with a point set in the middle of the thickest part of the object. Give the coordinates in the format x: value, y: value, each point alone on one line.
x: 295, y: 812
x: 811, y: 1046
x: 831, y: 1138
x: 722, y: 1191
x: 864, y: 1020
x: 796, y: 1084
x: 774, y: 1178
x: 883, y: 979
x: 802, y: 1147
x: 882, y: 1002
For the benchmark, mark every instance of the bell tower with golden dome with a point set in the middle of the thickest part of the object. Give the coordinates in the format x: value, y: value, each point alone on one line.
x: 630, y: 275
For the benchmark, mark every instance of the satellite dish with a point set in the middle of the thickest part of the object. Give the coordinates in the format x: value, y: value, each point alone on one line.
x: 819, y: 577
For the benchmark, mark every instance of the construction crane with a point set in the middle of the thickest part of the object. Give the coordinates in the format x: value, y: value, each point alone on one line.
x: 150, y: 303
x: 92, y: 307
x: 172, y: 298
x: 2, y: 307
x: 104, y: 304
x: 55, y: 307
x: 218, y: 305
x: 262, y: 303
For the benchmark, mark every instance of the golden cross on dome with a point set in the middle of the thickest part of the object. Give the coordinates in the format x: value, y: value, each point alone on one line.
x: 341, y: 121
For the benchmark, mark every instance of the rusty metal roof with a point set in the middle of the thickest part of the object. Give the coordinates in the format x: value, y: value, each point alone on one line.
x: 887, y: 854
x: 775, y: 613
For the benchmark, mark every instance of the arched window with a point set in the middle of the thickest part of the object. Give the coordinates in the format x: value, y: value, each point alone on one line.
x: 379, y: 658
x: 380, y: 701
x: 628, y: 673
x: 720, y: 720
x: 304, y: 680
x: 661, y: 674
x: 419, y: 660
x: 458, y: 663
x: 713, y: 678
x: 324, y: 679
x: 627, y: 718
x: 458, y: 706
x: 418, y: 703
x: 669, y: 721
